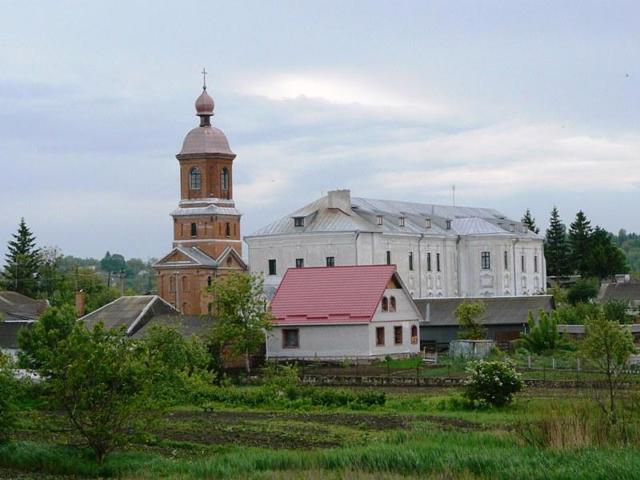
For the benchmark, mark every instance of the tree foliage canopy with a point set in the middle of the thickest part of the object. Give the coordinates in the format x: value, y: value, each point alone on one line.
x: 22, y: 262
x: 469, y: 316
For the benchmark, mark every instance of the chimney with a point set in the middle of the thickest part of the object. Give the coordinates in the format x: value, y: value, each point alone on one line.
x: 340, y: 199
x: 80, y: 303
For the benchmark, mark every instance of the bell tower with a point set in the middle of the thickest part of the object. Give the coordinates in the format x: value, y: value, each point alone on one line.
x: 206, y: 224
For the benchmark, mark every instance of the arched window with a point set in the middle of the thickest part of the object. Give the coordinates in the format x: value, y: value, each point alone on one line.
x: 172, y: 284
x: 385, y: 304
x: 228, y: 229
x: 195, y: 179
x: 414, y: 334
x: 392, y: 304
x: 224, y: 180
x: 208, y: 281
x: 185, y: 284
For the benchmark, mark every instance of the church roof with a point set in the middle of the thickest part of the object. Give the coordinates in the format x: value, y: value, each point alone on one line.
x: 397, y: 217
x: 182, y: 256
x: 206, y: 139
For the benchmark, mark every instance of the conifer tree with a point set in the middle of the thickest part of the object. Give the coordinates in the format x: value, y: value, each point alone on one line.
x: 22, y: 262
x: 556, y: 249
x: 530, y: 222
x: 580, y: 233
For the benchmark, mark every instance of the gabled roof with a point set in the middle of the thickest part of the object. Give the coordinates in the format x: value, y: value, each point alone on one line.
x: 187, y: 325
x: 15, y: 307
x: 499, y: 310
x: 230, y: 252
x: 629, y: 291
x: 131, y: 312
x: 320, y: 295
x: 182, y: 256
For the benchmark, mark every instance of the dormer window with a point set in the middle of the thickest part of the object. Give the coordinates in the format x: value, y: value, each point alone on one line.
x: 402, y: 221
x: 195, y: 179
x: 427, y: 223
x: 448, y: 224
x: 379, y: 219
x: 298, y: 221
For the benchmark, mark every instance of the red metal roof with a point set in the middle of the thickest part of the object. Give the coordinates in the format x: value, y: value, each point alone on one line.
x: 348, y: 294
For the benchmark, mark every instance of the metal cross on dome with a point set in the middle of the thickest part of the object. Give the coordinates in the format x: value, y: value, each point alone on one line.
x: 204, y: 78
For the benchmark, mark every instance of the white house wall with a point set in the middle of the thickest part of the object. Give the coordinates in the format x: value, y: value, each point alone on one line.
x: 322, y: 341
x: 460, y: 260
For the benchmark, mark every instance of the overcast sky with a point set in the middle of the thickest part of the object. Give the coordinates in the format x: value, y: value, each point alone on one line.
x: 519, y: 104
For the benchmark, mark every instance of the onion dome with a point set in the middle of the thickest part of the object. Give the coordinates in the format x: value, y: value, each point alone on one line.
x: 204, y: 104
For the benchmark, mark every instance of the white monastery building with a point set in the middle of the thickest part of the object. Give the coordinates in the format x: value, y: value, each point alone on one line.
x: 439, y: 250
x: 350, y: 311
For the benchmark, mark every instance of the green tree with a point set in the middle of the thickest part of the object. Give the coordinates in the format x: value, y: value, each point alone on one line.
x: 608, y: 345
x: 242, y: 318
x: 469, y: 316
x: 556, y: 249
x: 22, y: 262
x: 8, y: 388
x: 39, y: 344
x: 530, y: 222
x: 616, y: 311
x: 103, y: 383
x: 604, y: 259
x: 583, y: 291
x: 543, y: 335
x: 580, y: 244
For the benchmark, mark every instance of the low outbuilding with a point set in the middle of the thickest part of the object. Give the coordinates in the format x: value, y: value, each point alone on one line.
x: 334, y: 313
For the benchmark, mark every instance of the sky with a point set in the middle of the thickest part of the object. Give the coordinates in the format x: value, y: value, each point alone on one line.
x: 521, y: 104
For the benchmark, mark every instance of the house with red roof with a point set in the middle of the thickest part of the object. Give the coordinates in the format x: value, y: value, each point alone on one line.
x: 343, y: 312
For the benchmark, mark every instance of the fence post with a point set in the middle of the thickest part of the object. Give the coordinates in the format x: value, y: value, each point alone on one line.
x: 529, y: 361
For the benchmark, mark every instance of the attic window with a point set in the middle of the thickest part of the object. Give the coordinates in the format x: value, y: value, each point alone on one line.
x: 298, y: 221
x: 448, y: 224
x: 402, y: 221
x: 379, y: 219
x: 427, y: 223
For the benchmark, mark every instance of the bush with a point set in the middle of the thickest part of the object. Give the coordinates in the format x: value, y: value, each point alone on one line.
x: 492, y: 383
x: 8, y: 386
x: 582, y: 291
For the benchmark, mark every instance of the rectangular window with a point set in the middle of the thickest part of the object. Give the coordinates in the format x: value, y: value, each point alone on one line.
x: 427, y: 223
x: 379, y: 220
x: 272, y: 266
x: 448, y: 224
x: 194, y: 229
x: 290, y: 338
x: 437, y: 262
x: 299, y: 262
x: 331, y: 261
x: 506, y: 260
x: 379, y: 336
x: 411, y: 261
x: 402, y: 221
x: 397, y: 335
x: 388, y: 257
x: 298, y: 221
x: 485, y: 260
x: 523, y: 264
x: 428, y: 261
x: 535, y: 263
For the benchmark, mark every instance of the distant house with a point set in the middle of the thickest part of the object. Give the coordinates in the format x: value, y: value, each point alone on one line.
x: 627, y: 291
x: 17, y: 311
x: 341, y: 312
x: 138, y: 313
x: 505, y: 317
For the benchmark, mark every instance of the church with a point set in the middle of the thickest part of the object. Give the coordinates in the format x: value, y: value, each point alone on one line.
x: 206, y: 224
x: 439, y: 250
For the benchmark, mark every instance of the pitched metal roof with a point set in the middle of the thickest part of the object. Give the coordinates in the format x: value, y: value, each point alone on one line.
x: 196, y: 258
x: 15, y: 307
x: 187, y: 325
x: 130, y: 312
x: 621, y: 291
x: 345, y: 294
x: 397, y: 218
x: 499, y: 310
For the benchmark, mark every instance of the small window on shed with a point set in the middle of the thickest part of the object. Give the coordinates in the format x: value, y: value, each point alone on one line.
x: 290, y: 338
x: 397, y: 335
x: 298, y: 221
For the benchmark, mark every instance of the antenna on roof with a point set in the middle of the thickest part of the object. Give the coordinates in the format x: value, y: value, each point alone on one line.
x: 453, y: 195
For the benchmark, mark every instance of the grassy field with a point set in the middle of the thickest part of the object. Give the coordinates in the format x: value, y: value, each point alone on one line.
x: 424, y: 434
